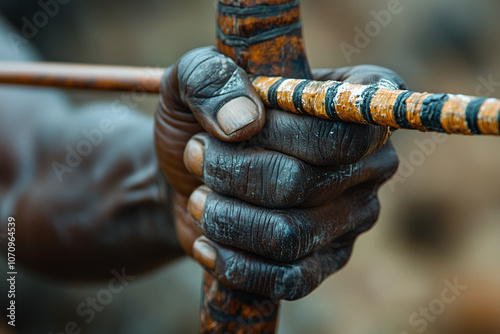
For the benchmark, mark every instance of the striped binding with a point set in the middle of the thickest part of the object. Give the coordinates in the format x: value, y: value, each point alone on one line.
x: 264, y: 37
x: 254, y: 34
x: 382, y: 106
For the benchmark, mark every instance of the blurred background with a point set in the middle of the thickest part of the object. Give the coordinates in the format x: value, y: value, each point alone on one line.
x: 440, y: 218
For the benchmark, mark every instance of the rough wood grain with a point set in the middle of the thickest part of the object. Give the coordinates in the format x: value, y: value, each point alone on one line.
x: 265, y: 38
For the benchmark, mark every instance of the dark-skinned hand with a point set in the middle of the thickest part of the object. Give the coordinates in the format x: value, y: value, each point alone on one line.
x: 285, y: 195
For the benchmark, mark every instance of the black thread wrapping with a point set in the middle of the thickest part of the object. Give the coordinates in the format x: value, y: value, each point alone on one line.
x: 233, y: 40
x: 330, y: 101
x: 272, y: 94
x: 471, y: 114
x: 400, y: 110
x: 366, y: 101
x: 431, y: 112
x: 297, y: 95
x: 265, y: 10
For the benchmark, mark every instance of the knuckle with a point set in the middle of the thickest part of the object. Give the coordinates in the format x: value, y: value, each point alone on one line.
x: 288, y: 238
x: 368, y: 212
x: 288, y: 181
x: 204, y: 72
x: 335, y: 259
x: 244, y: 274
x: 236, y: 271
x: 297, y: 281
x: 353, y: 143
x: 249, y: 275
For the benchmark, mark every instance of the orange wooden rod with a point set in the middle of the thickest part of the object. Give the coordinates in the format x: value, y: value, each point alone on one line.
x: 382, y: 105
x: 326, y: 99
x: 82, y: 76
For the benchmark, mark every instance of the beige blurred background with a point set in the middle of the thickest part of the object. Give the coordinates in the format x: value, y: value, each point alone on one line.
x: 440, y: 217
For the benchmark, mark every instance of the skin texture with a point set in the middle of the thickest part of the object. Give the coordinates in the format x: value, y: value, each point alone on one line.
x: 284, y: 206
x: 112, y: 211
x: 117, y: 210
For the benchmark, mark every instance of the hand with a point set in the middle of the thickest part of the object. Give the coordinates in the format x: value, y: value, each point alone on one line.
x: 280, y: 211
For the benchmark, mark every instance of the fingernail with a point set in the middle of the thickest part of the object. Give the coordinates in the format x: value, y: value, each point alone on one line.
x: 205, y: 254
x: 197, y: 202
x: 193, y: 156
x: 236, y: 114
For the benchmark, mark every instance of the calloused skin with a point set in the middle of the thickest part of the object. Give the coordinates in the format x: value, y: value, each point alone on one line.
x: 289, y: 194
x: 283, y: 207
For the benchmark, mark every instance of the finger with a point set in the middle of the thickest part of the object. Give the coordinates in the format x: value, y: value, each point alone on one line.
x: 322, y: 142
x: 318, y: 141
x: 248, y: 272
x: 281, y: 235
x: 285, y: 181
x: 220, y: 95
x: 363, y: 75
x: 221, y: 98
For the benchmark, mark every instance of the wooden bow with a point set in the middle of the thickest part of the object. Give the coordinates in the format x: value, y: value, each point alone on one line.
x: 264, y: 37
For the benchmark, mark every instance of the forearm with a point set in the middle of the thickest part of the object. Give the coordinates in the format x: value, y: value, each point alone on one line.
x: 79, y: 215
x: 85, y: 191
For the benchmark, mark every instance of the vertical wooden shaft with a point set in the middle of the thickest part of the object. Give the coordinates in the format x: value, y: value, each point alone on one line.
x: 265, y: 38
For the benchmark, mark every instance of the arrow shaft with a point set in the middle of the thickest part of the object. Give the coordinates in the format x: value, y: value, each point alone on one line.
x: 346, y: 102
x: 82, y: 76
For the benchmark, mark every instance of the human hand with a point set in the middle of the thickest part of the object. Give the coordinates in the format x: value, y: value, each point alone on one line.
x: 280, y: 211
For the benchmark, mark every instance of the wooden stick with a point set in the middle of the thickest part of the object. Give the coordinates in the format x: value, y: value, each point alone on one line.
x: 264, y: 37
x: 381, y: 105
x: 333, y: 100
x: 82, y: 76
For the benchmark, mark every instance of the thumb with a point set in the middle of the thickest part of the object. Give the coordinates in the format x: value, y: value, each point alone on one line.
x: 220, y: 95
